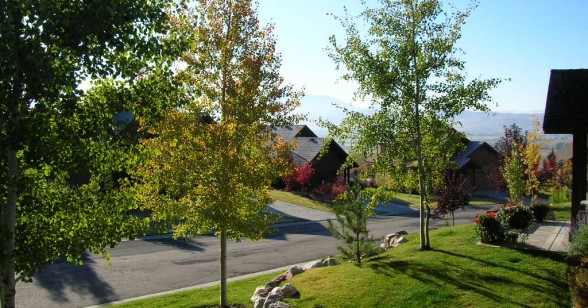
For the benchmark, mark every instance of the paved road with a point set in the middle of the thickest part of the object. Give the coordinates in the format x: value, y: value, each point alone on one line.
x: 156, y: 265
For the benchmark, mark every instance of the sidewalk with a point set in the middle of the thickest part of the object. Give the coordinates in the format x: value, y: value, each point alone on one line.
x: 550, y: 236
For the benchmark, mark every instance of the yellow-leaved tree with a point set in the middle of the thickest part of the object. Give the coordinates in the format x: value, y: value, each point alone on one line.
x: 213, y: 160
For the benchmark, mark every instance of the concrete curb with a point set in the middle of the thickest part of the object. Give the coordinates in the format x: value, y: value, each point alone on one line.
x: 200, y: 286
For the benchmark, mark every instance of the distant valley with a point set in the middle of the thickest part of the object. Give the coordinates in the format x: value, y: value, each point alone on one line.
x: 477, y: 125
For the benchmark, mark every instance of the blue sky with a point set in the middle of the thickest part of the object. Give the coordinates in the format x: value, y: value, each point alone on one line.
x: 517, y: 39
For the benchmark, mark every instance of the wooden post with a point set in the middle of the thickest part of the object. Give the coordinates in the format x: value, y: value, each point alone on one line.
x: 578, y: 175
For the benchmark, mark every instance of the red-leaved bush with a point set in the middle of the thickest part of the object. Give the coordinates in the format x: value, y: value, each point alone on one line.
x: 454, y: 194
x: 299, y: 177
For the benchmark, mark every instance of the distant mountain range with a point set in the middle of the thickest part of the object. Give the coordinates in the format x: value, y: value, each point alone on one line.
x: 477, y: 126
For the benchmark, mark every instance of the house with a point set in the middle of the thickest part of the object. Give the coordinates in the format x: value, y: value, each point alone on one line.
x: 566, y: 112
x: 326, y: 164
x: 476, y: 162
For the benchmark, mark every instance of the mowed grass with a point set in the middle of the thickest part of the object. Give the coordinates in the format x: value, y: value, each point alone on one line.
x: 562, y: 210
x: 300, y: 200
x: 414, y: 200
x: 456, y: 273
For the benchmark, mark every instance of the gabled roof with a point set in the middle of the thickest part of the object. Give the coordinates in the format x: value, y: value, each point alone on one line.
x: 308, y: 149
x: 464, y: 157
x: 289, y: 133
x: 566, y: 109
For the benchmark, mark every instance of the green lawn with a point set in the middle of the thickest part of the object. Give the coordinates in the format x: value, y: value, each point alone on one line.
x: 413, y: 200
x: 457, y: 273
x: 561, y: 210
x: 300, y: 200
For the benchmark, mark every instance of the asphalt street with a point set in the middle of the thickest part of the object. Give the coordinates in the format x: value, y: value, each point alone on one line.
x: 150, y: 266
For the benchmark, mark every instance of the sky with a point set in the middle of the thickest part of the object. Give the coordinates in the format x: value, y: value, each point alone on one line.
x: 517, y: 39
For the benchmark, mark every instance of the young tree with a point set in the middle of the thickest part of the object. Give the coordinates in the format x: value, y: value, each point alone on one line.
x: 406, y: 63
x: 214, y: 159
x: 513, y: 137
x: 352, y: 213
x: 549, y: 170
x: 513, y: 172
x: 532, y: 158
x: 454, y: 194
x: 59, y: 145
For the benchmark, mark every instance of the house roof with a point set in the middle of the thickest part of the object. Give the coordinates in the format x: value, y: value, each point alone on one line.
x: 463, y: 158
x: 291, y: 132
x: 566, y: 109
x: 309, y: 146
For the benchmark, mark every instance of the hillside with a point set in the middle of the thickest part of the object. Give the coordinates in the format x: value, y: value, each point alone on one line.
x: 477, y: 125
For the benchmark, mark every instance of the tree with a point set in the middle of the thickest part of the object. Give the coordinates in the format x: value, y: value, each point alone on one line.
x: 549, y: 170
x: 454, y: 194
x: 214, y: 159
x: 352, y: 213
x: 406, y: 63
x: 513, y: 172
x: 532, y: 158
x: 59, y: 145
x: 513, y: 137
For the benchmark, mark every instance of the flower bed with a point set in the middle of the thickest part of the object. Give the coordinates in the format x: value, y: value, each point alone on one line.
x: 509, y: 224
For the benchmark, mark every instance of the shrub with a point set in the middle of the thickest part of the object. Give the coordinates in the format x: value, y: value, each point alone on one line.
x: 330, y: 190
x: 579, y: 246
x: 559, y: 194
x: 299, y: 177
x: 540, y: 211
x: 517, y: 216
x: 578, y: 282
x: 488, y: 226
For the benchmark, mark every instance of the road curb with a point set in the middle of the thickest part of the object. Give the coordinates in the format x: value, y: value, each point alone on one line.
x: 200, y: 286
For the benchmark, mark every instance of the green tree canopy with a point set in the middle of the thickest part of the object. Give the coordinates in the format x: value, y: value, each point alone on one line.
x: 215, y: 158
x: 406, y: 63
x: 62, y: 151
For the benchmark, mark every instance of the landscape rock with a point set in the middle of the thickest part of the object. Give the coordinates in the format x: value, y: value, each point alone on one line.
x: 288, y: 291
x: 262, y: 291
x: 258, y: 302
x: 276, y: 281
x: 398, y: 241
x: 313, y: 264
x: 279, y: 305
x: 330, y: 261
x: 272, y: 298
x: 293, y: 271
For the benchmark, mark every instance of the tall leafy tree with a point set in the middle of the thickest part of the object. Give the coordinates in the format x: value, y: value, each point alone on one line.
x: 406, y: 63
x: 215, y: 158
x: 61, y: 155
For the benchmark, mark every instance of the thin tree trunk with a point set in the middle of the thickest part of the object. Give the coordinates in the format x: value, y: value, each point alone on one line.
x: 223, y: 261
x: 8, y: 221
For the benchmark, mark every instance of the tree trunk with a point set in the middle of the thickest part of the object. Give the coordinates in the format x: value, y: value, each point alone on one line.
x: 223, y: 261
x: 7, y: 227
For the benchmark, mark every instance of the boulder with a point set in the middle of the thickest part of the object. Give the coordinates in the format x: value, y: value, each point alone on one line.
x: 262, y: 291
x: 398, y: 241
x: 313, y: 264
x: 258, y: 302
x: 279, y: 305
x: 272, y: 298
x: 293, y: 271
x: 330, y: 261
x: 289, y: 290
x: 276, y: 281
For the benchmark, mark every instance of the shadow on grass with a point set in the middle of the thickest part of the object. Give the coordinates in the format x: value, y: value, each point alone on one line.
x: 66, y: 277
x: 450, y: 270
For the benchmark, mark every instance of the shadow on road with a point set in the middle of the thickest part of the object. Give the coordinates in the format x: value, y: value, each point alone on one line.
x: 59, y: 278
x: 309, y: 228
x: 183, y: 244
